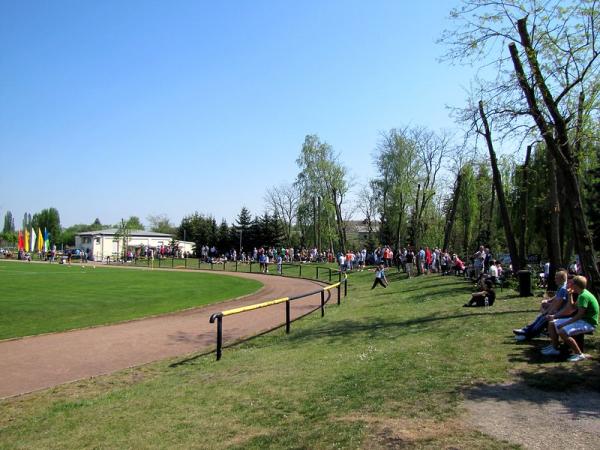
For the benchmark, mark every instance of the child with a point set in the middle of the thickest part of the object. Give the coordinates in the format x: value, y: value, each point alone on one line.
x: 380, y: 276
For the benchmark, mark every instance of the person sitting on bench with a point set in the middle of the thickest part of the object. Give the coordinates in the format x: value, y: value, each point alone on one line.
x: 487, y: 297
x: 553, y: 308
x: 584, y: 321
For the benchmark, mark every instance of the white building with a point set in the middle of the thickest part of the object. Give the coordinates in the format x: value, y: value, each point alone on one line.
x: 104, y: 243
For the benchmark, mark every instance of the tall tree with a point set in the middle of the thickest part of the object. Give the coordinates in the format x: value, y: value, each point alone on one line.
x: 516, y: 258
x: 557, y: 41
x: 242, y: 226
x: 431, y: 150
x: 322, y: 176
x: 134, y: 223
x: 50, y: 219
x: 161, y: 224
x: 398, y: 165
x: 9, y: 223
x: 283, y: 201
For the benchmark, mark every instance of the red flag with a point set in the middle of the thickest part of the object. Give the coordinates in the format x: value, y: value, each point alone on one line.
x: 21, y: 244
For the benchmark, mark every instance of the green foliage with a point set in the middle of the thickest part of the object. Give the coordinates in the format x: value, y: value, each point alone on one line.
x: 134, y: 223
x: 395, y: 188
x: 322, y: 181
x: 200, y: 229
x: 50, y: 220
x: 161, y: 224
x: 9, y: 222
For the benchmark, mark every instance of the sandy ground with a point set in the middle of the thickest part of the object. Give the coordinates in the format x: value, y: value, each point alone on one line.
x: 536, y: 419
x: 40, y: 362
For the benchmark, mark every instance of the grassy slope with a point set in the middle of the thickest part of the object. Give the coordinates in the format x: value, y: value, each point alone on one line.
x: 42, y: 298
x: 387, y: 363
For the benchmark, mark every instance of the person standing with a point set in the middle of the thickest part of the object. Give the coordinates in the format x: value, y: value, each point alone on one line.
x: 410, y: 259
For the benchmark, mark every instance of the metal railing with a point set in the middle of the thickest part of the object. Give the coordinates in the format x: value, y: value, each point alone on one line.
x: 287, y: 269
x: 218, y: 317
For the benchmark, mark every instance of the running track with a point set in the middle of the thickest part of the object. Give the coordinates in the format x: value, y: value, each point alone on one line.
x: 39, y: 362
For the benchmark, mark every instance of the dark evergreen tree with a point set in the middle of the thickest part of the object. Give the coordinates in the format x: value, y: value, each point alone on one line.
x: 9, y: 223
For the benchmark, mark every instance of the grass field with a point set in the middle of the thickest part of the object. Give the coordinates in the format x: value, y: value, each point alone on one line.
x: 43, y: 298
x: 386, y: 362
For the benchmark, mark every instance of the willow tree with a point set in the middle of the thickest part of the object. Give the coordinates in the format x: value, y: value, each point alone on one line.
x: 322, y: 182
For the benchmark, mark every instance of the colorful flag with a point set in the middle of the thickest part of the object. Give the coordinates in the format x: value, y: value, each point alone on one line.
x: 21, y: 244
x: 26, y: 240
x: 46, y: 241
x: 32, y: 248
x: 40, y: 241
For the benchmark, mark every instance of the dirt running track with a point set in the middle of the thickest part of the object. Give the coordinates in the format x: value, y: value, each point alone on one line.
x: 40, y: 362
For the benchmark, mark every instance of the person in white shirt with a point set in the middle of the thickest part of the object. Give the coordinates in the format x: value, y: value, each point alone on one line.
x: 380, y: 276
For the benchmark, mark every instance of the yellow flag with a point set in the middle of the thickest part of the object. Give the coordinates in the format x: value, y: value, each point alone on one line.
x: 26, y: 240
x: 40, y: 240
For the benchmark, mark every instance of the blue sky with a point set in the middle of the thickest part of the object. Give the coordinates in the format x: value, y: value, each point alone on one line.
x: 110, y: 109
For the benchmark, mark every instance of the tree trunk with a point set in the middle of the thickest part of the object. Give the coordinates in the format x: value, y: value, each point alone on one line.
x: 339, y: 222
x: 557, y: 142
x: 554, y: 250
x: 318, y: 238
x: 416, y: 230
x: 452, y: 212
x: 524, y: 204
x: 517, y: 263
x: 491, y: 218
x: 315, y: 219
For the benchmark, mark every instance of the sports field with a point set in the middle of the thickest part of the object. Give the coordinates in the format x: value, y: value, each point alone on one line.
x: 388, y: 368
x: 44, y: 298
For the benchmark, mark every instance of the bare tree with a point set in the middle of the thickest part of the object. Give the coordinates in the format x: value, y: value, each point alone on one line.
x: 431, y: 150
x: 367, y: 205
x: 283, y: 200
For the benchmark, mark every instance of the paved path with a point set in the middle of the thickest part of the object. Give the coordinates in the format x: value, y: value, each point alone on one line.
x: 40, y: 362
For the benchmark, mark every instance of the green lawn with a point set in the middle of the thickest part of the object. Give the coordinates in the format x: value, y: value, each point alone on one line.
x: 387, y: 368
x: 43, y: 298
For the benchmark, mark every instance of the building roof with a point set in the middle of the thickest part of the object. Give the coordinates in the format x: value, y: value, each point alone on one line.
x: 132, y: 233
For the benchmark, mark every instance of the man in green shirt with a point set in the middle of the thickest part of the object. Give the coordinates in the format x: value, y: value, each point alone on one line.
x: 585, y: 320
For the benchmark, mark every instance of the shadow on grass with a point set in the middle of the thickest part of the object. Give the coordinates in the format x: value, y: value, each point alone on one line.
x: 578, y: 403
x: 351, y: 327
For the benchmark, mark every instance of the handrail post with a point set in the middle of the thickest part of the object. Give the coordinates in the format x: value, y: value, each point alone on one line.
x: 236, y: 265
x: 251, y: 266
x: 224, y: 264
x: 322, y: 303
x: 185, y: 262
x: 287, y: 317
x: 340, y: 276
x: 317, y: 272
x: 300, y: 276
x: 173, y: 262
x: 219, y: 318
x: 199, y: 263
x: 211, y: 265
x: 339, y: 291
x: 346, y: 287
x: 330, y: 274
